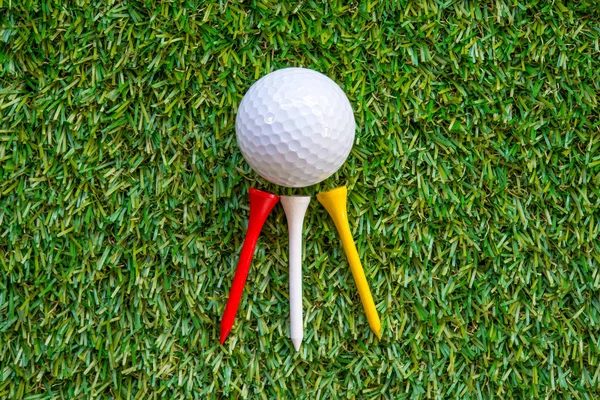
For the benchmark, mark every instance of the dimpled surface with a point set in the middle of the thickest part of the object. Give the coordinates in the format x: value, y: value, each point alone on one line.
x: 295, y: 127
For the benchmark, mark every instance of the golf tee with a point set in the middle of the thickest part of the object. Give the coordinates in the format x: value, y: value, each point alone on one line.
x: 295, y: 209
x: 334, y: 202
x: 261, y: 204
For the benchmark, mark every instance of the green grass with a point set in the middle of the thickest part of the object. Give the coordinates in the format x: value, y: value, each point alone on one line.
x: 474, y: 198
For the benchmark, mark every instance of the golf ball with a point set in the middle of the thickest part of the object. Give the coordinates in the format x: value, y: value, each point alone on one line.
x: 295, y: 127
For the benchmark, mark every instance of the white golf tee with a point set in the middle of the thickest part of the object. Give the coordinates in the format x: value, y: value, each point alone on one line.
x: 295, y: 208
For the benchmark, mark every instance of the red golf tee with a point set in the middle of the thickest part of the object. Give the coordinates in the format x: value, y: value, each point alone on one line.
x: 261, y: 204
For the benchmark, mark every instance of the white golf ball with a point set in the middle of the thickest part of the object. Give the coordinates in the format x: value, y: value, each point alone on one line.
x: 295, y: 127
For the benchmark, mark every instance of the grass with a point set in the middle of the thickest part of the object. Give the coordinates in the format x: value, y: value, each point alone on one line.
x: 474, y: 198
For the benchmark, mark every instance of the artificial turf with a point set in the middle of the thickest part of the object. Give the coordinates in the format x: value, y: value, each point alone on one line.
x: 474, y: 197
